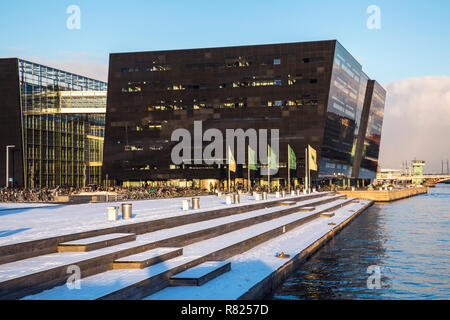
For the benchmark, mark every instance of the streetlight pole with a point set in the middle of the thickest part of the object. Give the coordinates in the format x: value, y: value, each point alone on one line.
x: 7, y: 165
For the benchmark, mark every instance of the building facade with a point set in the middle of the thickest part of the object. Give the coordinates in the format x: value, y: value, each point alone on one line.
x: 55, y: 120
x: 315, y: 93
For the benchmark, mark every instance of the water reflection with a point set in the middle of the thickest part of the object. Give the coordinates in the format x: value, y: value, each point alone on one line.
x: 408, y: 240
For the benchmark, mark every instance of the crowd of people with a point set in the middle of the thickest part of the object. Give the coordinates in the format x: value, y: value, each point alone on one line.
x: 26, y: 195
x: 140, y: 193
x: 124, y: 193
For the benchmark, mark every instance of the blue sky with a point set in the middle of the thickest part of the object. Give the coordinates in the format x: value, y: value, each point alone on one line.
x: 413, y: 40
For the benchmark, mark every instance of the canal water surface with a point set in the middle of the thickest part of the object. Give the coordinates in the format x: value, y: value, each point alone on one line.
x: 399, y: 250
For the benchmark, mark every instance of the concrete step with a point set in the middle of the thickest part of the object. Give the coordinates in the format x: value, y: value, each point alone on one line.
x: 24, y: 250
x: 200, y: 274
x: 288, y: 203
x: 327, y: 214
x: 147, y: 258
x: 307, y: 209
x: 137, y: 284
x: 94, y: 243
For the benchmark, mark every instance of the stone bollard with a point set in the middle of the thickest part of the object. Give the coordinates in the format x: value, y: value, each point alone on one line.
x: 264, y: 196
x: 292, y: 193
x: 314, y: 190
x: 113, y: 213
x: 257, y: 196
x: 283, y: 194
x: 236, y: 198
x: 126, y: 211
x: 186, y: 205
x: 298, y: 192
x: 228, y: 199
x: 195, y: 203
x: 277, y: 194
x: 353, y: 188
x: 305, y: 191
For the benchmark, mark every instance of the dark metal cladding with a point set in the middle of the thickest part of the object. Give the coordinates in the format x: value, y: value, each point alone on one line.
x: 10, y: 123
x: 313, y: 92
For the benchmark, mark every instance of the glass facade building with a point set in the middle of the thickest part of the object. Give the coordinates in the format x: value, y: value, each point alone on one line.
x: 58, y: 120
x: 372, y: 139
x: 315, y: 93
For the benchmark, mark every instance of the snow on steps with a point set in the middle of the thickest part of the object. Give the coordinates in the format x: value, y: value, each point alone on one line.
x: 137, y: 284
x: 256, y: 272
x: 19, y: 278
x: 32, y: 248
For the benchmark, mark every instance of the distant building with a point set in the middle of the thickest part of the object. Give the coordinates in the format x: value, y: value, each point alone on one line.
x: 55, y: 120
x: 417, y: 167
x: 388, y: 174
x: 315, y: 93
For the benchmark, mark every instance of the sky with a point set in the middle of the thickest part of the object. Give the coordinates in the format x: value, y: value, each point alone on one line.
x: 408, y: 54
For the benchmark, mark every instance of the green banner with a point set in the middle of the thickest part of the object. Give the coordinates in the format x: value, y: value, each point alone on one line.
x: 273, y: 164
x: 292, y: 158
x: 251, y: 159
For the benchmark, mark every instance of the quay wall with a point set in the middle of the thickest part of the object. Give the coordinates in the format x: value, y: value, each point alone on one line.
x: 384, y: 195
x: 269, y: 284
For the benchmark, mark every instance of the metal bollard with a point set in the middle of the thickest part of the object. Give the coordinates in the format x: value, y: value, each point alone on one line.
x: 264, y: 196
x: 283, y: 194
x: 113, y: 213
x: 257, y: 196
x: 298, y: 192
x: 277, y: 194
x: 126, y: 211
x: 186, y: 205
x: 314, y: 190
x: 292, y: 193
x: 304, y: 191
x: 195, y: 203
x: 236, y: 198
x: 228, y: 199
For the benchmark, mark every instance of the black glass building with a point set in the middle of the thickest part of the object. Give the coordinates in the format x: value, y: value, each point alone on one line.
x: 55, y: 120
x: 315, y: 93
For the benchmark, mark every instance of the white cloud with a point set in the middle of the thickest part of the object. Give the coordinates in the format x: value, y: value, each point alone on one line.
x: 82, y: 63
x: 417, y: 122
x: 13, y: 48
x: 85, y: 67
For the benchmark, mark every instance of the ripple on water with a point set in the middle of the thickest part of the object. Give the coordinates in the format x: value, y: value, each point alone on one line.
x: 407, y: 239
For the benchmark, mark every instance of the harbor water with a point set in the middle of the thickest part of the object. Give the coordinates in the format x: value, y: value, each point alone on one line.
x: 398, y: 250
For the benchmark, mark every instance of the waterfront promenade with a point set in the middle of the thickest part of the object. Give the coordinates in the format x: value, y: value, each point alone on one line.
x: 140, y: 258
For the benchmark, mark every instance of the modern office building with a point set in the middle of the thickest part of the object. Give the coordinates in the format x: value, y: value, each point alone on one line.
x: 55, y: 121
x: 315, y: 93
